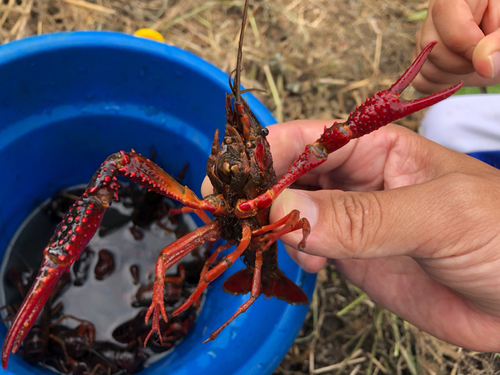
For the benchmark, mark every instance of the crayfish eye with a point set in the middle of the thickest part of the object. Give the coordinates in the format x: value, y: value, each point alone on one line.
x: 264, y: 132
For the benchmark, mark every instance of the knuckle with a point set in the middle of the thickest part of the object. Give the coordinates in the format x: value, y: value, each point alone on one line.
x: 470, y: 204
x: 460, y: 187
x: 355, y: 215
x: 469, y: 193
x: 455, y: 42
x: 426, y: 37
x: 457, y: 191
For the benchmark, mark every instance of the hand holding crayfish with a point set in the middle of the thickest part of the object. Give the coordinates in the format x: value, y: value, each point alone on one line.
x: 240, y: 168
x: 469, y: 44
x: 412, y: 223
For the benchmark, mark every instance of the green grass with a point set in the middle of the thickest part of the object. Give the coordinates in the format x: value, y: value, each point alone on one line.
x: 477, y: 90
x: 493, y: 89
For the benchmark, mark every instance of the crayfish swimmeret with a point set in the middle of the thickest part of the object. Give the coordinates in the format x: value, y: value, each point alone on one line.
x: 245, y: 185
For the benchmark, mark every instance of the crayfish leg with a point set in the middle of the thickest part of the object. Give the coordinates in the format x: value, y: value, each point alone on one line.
x: 254, y: 294
x: 274, y: 283
x: 201, y: 214
x: 215, y: 272
x: 170, y: 255
x: 213, y: 257
x: 288, y: 223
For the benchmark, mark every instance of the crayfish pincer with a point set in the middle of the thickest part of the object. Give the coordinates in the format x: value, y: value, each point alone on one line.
x: 241, y: 171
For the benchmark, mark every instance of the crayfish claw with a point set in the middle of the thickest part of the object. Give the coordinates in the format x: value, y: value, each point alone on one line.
x: 155, y: 327
x: 410, y: 74
x: 406, y: 108
x: 418, y: 104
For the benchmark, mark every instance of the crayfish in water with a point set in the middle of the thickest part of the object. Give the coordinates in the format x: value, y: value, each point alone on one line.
x: 245, y: 185
x: 109, y: 337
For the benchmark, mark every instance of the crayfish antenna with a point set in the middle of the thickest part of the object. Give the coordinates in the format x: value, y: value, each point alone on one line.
x: 237, y: 75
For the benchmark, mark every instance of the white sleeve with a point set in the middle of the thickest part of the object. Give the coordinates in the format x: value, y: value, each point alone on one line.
x: 466, y: 123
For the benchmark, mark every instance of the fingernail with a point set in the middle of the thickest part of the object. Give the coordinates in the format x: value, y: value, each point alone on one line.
x: 297, y: 200
x: 494, y: 63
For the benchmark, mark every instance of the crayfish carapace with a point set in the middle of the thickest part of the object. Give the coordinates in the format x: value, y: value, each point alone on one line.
x: 245, y: 185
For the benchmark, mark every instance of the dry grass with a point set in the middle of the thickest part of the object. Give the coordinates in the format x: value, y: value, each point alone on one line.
x: 322, y: 56
x: 317, y: 59
x: 346, y: 333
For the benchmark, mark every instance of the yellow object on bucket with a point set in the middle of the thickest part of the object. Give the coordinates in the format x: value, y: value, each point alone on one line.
x: 149, y: 34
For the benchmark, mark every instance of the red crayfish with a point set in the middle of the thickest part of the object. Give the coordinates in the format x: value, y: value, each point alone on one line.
x: 245, y: 185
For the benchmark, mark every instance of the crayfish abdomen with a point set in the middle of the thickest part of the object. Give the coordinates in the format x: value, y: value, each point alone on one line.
x: 274, y: 283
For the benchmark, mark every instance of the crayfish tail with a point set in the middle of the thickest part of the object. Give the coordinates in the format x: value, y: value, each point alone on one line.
x: 275, y: 284
x: 37, y: 296
x: 239, y: 283
x: 280, y: 286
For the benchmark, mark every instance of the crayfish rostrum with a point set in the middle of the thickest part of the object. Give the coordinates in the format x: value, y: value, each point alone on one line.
x: 245, y: 185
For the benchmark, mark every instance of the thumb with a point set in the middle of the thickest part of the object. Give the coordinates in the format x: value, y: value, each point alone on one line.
x: 338, y: 222
x: 412, y: 220
x: 486, y: 55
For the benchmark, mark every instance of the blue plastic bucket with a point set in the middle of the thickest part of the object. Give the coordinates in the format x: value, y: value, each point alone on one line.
x: 68, y: 100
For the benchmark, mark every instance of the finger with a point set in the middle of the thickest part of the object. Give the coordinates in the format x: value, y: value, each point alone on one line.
x: 387, y: 158
x: 288, y: 140
x: 443, y: 58
x: 432, y: 78
x: 426, y: 86
x: 400, y: 285
x: 357, y: 166
x: 451, y: 59
x: 475, y: 80
x: 447, y: 61
x: 491, y: 18
x: 423, y: 220
x: 309, y: 263
x: 486, y: 57
x: 206, y: 187
x: 457, y: 25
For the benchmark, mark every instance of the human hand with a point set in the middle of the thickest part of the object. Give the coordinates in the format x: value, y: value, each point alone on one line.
x: 415, y: 225
x: 468, y: 49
